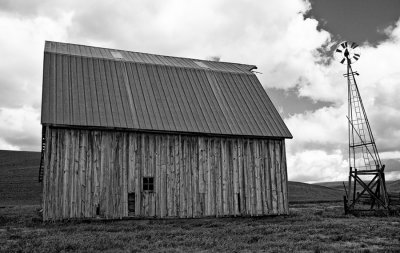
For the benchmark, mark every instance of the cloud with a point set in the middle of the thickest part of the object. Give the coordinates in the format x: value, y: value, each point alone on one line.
x: 20, y: 128
x: 291, y: 51
x: 22, y: 54
x: 238, y: 31
x: 326, y: 128
x: 317, y: 166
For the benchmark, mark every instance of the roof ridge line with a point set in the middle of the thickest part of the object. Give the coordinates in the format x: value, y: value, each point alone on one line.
x: 113, y: 49
x: 152, y: 64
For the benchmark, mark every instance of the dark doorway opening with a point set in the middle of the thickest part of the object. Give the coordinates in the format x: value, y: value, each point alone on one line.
x: 131, y: 203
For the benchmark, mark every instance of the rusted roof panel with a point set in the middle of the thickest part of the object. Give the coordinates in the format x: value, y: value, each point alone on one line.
x: 89, y: 87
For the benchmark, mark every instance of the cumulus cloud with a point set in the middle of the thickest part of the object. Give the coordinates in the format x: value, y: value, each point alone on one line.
x: 21, y: 51
x: 287, y: 48
x: 20, y: 128
x: 326, y: 128
x: 317, y: 165
x: 238, y: 31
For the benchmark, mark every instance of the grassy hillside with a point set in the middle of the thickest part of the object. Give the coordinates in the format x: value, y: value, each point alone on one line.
x: 392, y: 186
x: 19, y: 178
x: 19, y: 184
x: 302, y: 192
x: 334, y: 184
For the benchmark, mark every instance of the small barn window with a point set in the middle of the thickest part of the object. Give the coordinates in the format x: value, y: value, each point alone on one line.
x: 148, y: 184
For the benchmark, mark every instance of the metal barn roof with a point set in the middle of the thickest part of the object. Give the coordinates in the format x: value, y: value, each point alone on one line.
x: 96, y: 87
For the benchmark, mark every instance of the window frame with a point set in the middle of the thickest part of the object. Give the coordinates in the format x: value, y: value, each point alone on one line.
x: 148, y: 184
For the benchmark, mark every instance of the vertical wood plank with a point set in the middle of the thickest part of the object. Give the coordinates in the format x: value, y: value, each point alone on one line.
x: 124, y: 176
x: 257, y: 178
x: 218, y: 178
x: 267, y: 164
x: 131, y: 162
x: 138, y: 174
x: 202, y: 174
x: 242, y: 192
x: 189, y: 174
x: 177, y: 149
x: 262, y: 177
x: 46, y: 173
x: 59, y: 174
x: 170, y: 175
x: 157, y: 179
x: 235, y: 179
x: 284, y: 178
x: 66, y: 173
x: 81, y: 196
x: 224, y: 177
x: 89, y: 179
x: 279, y: 176
x: 51, y: 183
x: 246, y: 171
x: 164, y: 144
x: 144, y: 159
x: 208, y: 176
x: 211, y: 176
x: 103, y: 175
x: 195, y: 177
x: 273, y: 178
x: 97, y: 171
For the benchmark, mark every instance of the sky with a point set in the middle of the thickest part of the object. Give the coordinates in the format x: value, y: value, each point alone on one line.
x: 290, y: 41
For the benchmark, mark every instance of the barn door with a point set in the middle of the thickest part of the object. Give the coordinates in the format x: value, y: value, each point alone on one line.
x: 148, y: 197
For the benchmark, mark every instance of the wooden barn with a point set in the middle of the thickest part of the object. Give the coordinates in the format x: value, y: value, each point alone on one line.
x: 134, y: 134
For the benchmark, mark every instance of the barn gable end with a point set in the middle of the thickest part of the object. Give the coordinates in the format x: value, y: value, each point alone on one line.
x: 133, y: 134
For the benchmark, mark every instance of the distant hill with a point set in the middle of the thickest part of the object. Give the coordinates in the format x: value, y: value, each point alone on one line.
x: 19, y: 177
x: 391, y: 186
x: 19, y: 182
x: 302, y: 192
x: 334, y: 184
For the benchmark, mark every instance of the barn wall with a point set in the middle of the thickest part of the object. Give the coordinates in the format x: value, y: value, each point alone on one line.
x: 91, y: 172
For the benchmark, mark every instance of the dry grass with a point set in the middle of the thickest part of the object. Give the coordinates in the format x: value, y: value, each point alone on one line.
x: 309, y: 227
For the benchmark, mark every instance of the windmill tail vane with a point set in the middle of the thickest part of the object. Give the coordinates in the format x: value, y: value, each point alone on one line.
x: 366, y: 185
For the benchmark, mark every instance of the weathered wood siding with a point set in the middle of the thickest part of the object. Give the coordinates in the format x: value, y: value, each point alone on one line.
x: 91, y: 172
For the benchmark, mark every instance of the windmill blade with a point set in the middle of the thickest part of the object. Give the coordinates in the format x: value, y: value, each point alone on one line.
x: 338, y: 50
x: 342, y: 60
x: 354, y: 45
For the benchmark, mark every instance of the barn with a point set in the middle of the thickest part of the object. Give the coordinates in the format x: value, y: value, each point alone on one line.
x: 129, y: 134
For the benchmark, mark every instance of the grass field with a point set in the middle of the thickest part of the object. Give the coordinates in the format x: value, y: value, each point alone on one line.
x: 19, y: 178
x: 310, y: 227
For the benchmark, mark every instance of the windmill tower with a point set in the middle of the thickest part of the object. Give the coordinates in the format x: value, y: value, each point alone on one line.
x: 366, y: 187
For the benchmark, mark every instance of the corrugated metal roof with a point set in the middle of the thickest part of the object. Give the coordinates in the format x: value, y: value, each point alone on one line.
x: 112, y: 54
x: 88, y: 86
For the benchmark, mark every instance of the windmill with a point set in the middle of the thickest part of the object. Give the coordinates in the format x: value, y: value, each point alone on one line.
x: 366, y: 187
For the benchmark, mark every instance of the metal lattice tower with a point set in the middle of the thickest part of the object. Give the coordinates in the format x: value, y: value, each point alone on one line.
x: 366, y: 184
